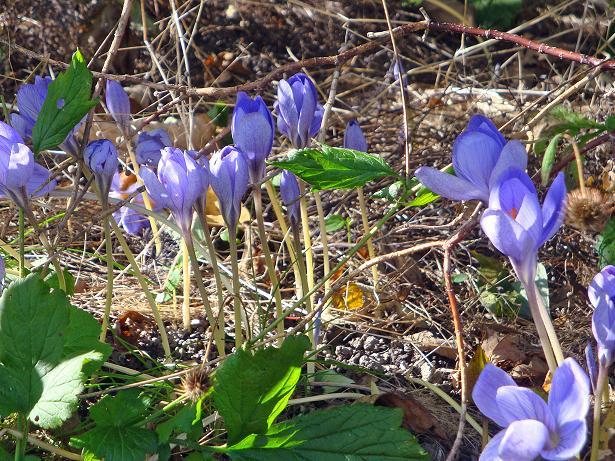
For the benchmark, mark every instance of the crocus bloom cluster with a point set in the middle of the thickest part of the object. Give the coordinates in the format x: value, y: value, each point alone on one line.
x: 176, y: 186
x: 299, y: 113
x: 354, y: 138
x: 253, y: 132
x: 602, y: 296
x: 555, y: 430
x: 118, y: 104
x: 516, y: 223
x: 229, y: 180
x: 101, y: 158
x: 30, y: 100
x: 20, y: 176
x: 480, y: 155
x: 150, y: 145
x: 290, y: 193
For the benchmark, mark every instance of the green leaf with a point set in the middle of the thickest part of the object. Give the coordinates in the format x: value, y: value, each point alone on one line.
x: 605, y: 244
x: 424, y: 197
x: 610, y: 123
x: 330, y: 376
x: 334, y: 168
x: 348, y: 433
x: 574, y: 119
x: 498, y: 14
x: 251, y: 390
x: 334, y: 223
x: 117, y: 435
x: 549, y: 159
x: 44, y: 344
x: 53, y: 282
x: 184, y: 421
x: 390, y: 192
x: 67, y: 102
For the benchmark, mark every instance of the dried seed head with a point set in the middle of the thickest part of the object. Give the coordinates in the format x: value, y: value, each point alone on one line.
x: 195, y: 383
x: 589, y: 211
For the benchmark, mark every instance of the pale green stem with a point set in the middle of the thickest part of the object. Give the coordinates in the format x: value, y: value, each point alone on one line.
x: 300, y: 264
x: 203, y: 292
x: 109, y: 288
x: 262, y: 234
x: 323, y: 238
x: 532, y: 298
x: 232, y: 237
x: 22, y: 250
x: 186, y: 285
x: 307, y: 241
x: 144, y: 286
x: 21, y: 442
x: 601, y: 384
x: 546, y: 321
x: 370, y: 244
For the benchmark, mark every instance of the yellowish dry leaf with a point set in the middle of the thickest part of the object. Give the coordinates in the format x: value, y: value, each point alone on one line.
x: 349, y: 298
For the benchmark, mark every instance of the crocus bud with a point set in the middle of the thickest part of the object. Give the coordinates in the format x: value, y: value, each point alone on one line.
x: 118, y: 104
x: 149, y: 146
x: 354, y: 138
x: 176, y: 186
x: 203, y: 169
x: 299, y: 113
x: 20, y: 176
x: 229, y: 179
x: 101, y: 157
x: 253, y: 132
x: 602, y: 296
x: 289, y: 191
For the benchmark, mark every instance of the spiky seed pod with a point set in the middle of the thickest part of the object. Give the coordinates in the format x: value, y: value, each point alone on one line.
x: 588, y: 211
x: 195, y: 383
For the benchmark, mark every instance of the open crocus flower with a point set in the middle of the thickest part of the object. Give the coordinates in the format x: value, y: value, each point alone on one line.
x: 299, y: 113
x: 20, y: 176
x: 150, y: 145
x: 515, y: 222
x: 555, y: 430
x: 30, y: 100
x: 176, y: 185
x: 229, y: 180
x: 354, y: 138
x: 118, y: 104
x: 122, y: 187
x: 290, y: 193
x: 602, y: 296
x: 253, y: 132
x: 480, y: 155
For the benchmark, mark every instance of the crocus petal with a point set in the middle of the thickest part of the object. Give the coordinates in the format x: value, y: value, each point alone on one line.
x: 306, y: 114
x: 519, y: 403
x: 602, y: 288
x: 474, y: 156
x: 485, y: 390
x: 592, y: 370
x: 22, y: 125
x: 524, y: 440
x: 483, y: 124
x: 288, y: 117
x: 507, y: 235
x: 20, y: 167
x: 491, y: 452
x: 317, y: 120
x: 603, y: 327
x: 553, y: 208
x: 289, y: 191
x: 39, y: 184
x: 118, y: 103
x: 154, y: 188
x: 354, y: 138
x: 449, y: 186
x: 569, y: 395
x: 132, y: 221
x: 31, y: 97
x: 8, y: 132
x: 572, y: 437
x: 513, y: 155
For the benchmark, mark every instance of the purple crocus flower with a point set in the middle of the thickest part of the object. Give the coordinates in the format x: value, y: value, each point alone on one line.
x: 101, y: 157
x: 30, y: 100
x: 354, y: 138
x: 150, y: 145
x: 229, y: 180
x: 515, y: 222
x: 480, y: 155
x: 290, y: 193
x: 201, y: 203
x: 20, y: 176
x: 299, y: 113
x: 556, y: 430
x: 122, y: 187
x: 176, y: 186
x: 602, y: 296
x: 118, y: 104
x: 253, y: 132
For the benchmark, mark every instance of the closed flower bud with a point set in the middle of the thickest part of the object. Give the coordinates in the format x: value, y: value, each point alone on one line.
x: 354, y: 138
x: 229, y: 180
x: 289, y: 191
x: 150, y: 145
x: 118, y: 104
x: 101, y: 158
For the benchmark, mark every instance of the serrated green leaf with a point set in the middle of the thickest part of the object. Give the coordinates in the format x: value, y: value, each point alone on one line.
x: 349, y: 433
x: 549, y: 159
x: 44, y: 344
x: 334, y: 223
x: 53, y: 282
x: 605, y: 244
x: 67, y: 102
x: 251, y: 389
x: 117, y: 434
x: 334, y: 168
x: 574, y: 119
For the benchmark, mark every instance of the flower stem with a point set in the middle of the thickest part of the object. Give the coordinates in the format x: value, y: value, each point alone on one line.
x: 205, y: 298
x: 232, y: 237
x: 143, y: 283
x: 323, y: 238
x: 22, y: 250
x: 186, y: 286
x: 537, y: 315
x: 546, y: 318
x: 21, y: 442
x: 370, y: 245
x: 262, y: 234
x: 601, y: 384
x: 300, y: 263
x: 109, y: 288
x: 307, y: 241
